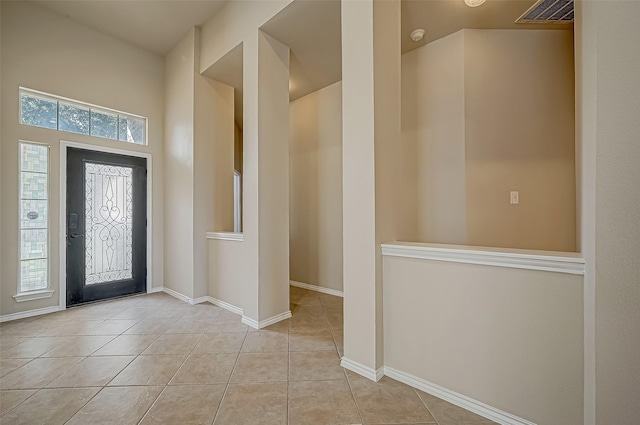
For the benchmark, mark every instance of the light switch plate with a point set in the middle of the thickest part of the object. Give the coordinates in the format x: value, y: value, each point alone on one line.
x: 515, y: 197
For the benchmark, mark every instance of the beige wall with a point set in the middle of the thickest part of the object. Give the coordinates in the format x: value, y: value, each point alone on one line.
x: 491, y: 111
x: 273, y: 180
x: 609, y: 57
x: 44, y: 51
x: 358, y: 183
x: 433, y: 127
x: 238, y: 276
x: 179, y: 163
x: 315, y: 188
x: 519, y: 110
x: 213, y: 170
x: 199, y: 147
x: 509, y: 338
x: 229, y: 280
x: 372, y: 201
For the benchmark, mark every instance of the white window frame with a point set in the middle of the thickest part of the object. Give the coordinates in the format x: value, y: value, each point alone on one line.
x: 47, y: 292
x: 237, y: 201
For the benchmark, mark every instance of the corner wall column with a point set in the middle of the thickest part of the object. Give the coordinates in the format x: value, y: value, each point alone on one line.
x: 371, y: 132
x: 266, y: 177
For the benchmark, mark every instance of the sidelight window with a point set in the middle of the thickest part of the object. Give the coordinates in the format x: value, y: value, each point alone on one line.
x: 34, y: 217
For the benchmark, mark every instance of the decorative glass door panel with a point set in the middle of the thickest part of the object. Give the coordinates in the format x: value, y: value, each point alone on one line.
x: 108, y: 222
x: 106, y: 225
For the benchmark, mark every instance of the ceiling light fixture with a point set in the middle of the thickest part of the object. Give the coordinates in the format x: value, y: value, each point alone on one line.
x: 416, y: 35
x: 474, y: 3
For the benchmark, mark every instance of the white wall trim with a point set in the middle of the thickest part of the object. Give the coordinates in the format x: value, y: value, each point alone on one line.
x: 225, y: 236
x: 222, y: 304
x: 33, y: 295
x: 199, y: 300
x: 570, y: 263
x: 362, y: 370
x: 29, y: 313
x: 229, y: 307
x: 178, y: 295
x: 64, y: 145
x: 317, y: 288
x: 155, y: 289
x: 268, y: 322
x: 458, y: 399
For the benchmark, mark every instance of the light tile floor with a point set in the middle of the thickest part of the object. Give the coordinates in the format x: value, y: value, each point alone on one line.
x: 153, y: 359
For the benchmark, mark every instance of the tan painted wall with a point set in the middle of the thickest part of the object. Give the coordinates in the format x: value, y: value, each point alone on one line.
x: 273, y: 180
x: 519, y: 110
x: 213, y: 169
x: 44, y: 51
x: 179, y: 164
x: 315, y: 187
x: 358, y: 171
x: 509, y: 338
x: 609, y: 58
x: 229, y: 280
x: 433, y: 125
x: 492, y: 111
x: 236, y: 23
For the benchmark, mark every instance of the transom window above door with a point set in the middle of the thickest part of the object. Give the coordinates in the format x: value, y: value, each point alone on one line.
x: 49, y: 111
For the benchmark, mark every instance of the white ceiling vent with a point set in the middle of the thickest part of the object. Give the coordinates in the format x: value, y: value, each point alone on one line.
x: 548, y: 11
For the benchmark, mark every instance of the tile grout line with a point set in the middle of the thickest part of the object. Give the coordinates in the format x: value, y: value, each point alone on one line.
x: 105, y: 386
x: 226, y: 388
x: 426, y: 406
x: 175, y: 373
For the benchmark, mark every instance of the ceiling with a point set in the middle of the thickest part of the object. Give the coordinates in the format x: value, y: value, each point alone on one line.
x: 151, y: 24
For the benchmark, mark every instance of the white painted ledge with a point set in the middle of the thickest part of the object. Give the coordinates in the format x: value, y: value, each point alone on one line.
x: 225, y: 236
x: 550, y: 261
x: 33, y: 295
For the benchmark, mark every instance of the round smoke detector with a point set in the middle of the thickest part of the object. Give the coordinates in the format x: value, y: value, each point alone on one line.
x: 416, y: 35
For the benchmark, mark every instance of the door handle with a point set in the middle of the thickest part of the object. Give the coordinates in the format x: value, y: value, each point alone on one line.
x: 75, y: 235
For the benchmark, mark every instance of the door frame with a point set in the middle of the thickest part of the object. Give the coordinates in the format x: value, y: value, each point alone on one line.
x: 64, y: 145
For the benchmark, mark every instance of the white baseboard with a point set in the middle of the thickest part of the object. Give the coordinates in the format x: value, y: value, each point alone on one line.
x: 360, y: 369
x: 177, y: 295
x: 264, y: 323
x: 199, y: 300
x: 29, y: 313
x: 317, y: 288
x: 229, y: 307
x: 453, y: 397
x: 155, y: 289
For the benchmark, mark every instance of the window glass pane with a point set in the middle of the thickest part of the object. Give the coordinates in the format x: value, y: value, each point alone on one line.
x: 104, y: 124
x: 34, y: 192
x: 73, y: 118
x: 38, y: 111
x: 34, y: 244
x: 34, y: 185
x: 34, y: 158
x: 132, y: 130
x: 33, y: 214
x: 33, y: 275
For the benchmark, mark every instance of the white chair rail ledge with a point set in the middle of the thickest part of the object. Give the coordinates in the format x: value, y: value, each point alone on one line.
x: 550, y: 261
x: 225, y: 236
